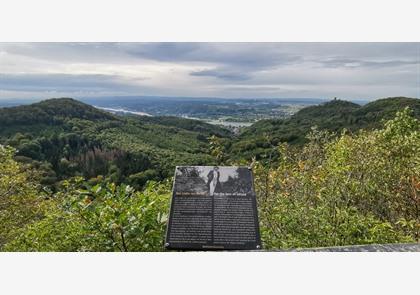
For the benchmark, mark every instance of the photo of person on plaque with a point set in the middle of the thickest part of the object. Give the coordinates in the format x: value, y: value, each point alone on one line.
x: 213, y: 181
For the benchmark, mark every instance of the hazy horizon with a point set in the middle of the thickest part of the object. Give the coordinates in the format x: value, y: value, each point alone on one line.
x: 106, y: 99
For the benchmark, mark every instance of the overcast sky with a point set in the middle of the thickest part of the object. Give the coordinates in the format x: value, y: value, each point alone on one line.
x: 231, y: 70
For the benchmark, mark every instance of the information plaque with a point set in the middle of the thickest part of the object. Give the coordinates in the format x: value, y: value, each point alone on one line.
x: 213, y: 208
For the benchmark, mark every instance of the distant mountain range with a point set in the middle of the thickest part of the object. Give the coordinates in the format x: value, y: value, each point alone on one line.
x: 133, y: 100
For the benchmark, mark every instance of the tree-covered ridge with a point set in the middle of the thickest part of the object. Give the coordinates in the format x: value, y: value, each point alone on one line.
x: 64, y: 138
x: 51, y: 111
x: 336, y: 115
x: 204, y: 129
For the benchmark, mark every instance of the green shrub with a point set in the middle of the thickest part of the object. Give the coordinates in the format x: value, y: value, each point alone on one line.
x: 352, y: 189
x: 104, y: 217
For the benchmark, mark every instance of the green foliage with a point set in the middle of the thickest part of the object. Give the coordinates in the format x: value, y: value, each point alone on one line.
x: 56, y: 232
x: 103, y: 217
x: 202, y: 128
x: 138, y: 180
x: 354, y: 189
x: 217, y: 150
x: 20, y: 199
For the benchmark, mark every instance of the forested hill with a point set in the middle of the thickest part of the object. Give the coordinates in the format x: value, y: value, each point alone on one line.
x: 188, y: 124
x: 64, y: 137
x: 51, y: 111
x: 258, y: 140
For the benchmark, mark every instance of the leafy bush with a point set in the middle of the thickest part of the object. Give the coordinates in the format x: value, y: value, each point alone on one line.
x: 20, y: 199
x: 104, y: 217
x: 354, y: 189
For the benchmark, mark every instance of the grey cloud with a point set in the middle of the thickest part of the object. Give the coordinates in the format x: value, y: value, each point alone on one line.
x: 69, y: 52
x: 222, y: 74
x: 63, y: 82
x: 354, y: 63
x: 239, y: 54
x: 247, y: 55
x: 163, y: 51
x: 310, y: 69
x: 262, y: 55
